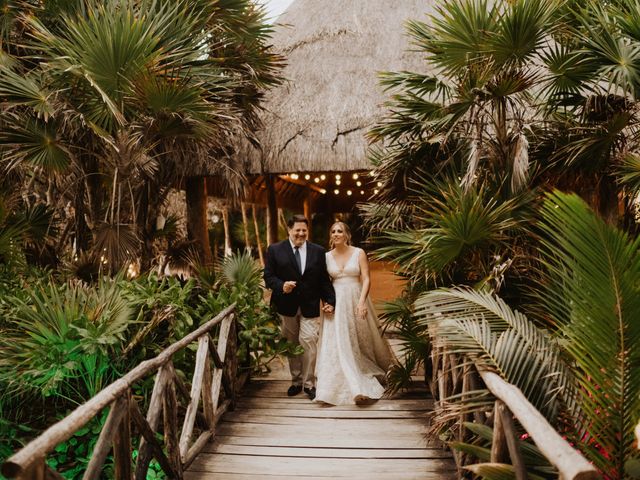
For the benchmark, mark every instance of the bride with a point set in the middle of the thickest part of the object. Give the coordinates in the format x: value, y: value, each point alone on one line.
x: 353, y: 358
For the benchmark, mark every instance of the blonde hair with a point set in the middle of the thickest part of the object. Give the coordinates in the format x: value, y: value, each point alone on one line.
x: 345, y: 229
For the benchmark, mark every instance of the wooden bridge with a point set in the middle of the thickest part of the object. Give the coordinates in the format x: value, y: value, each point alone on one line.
x: 216, y: 429
x: 271, y: 436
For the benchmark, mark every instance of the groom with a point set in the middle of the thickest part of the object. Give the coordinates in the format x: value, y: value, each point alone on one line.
x: 296, y: 272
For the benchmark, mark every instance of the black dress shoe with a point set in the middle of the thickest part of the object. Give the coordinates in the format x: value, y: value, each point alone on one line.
x: 294, y: 390
x: 311, y: 392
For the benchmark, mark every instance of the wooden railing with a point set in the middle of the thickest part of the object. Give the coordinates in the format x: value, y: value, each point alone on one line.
x: 453, y: 376
x: 176, y: 451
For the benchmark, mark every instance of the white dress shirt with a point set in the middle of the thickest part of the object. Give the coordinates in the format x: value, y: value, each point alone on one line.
x: 303, y: 253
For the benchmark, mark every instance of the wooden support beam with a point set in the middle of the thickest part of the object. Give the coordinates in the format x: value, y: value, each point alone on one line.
x: 150, y: 437
x: 257, y: 229
x: 272, y: 210
x: 153, y: 419
x: 513, y: 444
x: 499, y: 449
x: 202, y: 357
x: 171, y: 440
x: 122, y: 443
x: 245, y: 226
x: 103, y: 445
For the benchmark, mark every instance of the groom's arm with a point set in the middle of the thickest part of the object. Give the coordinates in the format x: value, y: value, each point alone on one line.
x: 271, y: 279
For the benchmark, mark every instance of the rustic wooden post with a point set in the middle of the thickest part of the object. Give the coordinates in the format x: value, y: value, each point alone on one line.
x: 306, y: 209
x: 231, y: 363
x: 171, y: 424
x: 207, y: 400
x: 513, y: 444
x: 221, y: 352
x: 36, y: 471
x: 245, y: 226
x: 499, y: 452
x: 227, y: 233
x: 122, y: 442
x: 103, y: 445
x: 257, y: 229
x: 202, y: 357
x: 272, y: 209
x: 153, y: 419
x: 151, y: 441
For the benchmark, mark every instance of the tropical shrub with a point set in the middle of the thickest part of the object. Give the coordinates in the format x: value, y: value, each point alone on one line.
x: 581, y: 371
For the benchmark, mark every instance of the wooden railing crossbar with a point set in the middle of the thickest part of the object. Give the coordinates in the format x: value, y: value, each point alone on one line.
x: 452, y: 375
x: 207, y: 384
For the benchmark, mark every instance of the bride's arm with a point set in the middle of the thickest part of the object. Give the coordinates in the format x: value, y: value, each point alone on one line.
x: 361, y: 309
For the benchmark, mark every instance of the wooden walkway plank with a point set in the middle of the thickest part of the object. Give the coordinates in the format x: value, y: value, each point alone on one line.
x: 272, y: 436
x: 310, y: 452
x: 248, y: 464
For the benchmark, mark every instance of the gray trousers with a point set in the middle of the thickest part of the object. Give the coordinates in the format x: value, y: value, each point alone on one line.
x: 304, y: 332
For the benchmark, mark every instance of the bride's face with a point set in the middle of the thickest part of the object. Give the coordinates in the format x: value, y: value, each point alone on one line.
x: 338, y: 235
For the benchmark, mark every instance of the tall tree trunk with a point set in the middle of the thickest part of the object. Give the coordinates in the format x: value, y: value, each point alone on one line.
x: 257, y: 229
x: 272, y: 209
x: 196, y: 192
x: 306, y: 206
x: 227, y: 231
x: 245, y: 226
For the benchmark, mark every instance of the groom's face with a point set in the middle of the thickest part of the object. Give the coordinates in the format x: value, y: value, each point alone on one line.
x: 298, y: 233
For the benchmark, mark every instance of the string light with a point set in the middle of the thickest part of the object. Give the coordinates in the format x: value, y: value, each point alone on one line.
x: 338, y: 176
x: 375, y: 191
x: 379, y: 184
x: 307, y: 177
x: 349, y: 192
x: 317, y: 180
x: 336, y: 191
x: 355, y: 176
x: 361, y: 192
x: 359, y: 183
x: 338, y: 182
x: 323, y: 177
x: 295, y: 176
x: 323, y: 191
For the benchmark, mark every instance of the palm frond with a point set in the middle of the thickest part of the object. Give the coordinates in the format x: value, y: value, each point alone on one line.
x: 241, y: 269
x: 484, y: 328
x: 592, y: 295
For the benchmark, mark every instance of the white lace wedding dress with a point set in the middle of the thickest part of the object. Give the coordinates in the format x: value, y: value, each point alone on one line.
x: 352, y: 356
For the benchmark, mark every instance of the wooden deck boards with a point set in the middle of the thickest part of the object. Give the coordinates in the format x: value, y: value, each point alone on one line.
x: 272, y: 436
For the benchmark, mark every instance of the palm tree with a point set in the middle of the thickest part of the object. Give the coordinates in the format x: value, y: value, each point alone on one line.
x: 128, y: 97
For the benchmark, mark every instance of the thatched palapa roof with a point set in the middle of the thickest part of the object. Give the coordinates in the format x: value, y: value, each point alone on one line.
x: 335, y: 49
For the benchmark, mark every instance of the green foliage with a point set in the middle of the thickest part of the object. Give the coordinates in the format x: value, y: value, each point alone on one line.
x: 415, y: 347
x: 72, y: 456
x: 58, y: 341
x: 241, y: 269
x: 483, y: 328
x: 593, y: 301
x: 259, y: 333
x: 457, y: 235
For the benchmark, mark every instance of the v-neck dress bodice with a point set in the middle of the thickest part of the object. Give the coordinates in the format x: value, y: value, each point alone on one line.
x: 353, y: 358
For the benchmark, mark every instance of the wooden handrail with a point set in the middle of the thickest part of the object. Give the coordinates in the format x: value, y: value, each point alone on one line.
x: 33, y: 454
x: 455, y: 375
x: 570, y: 463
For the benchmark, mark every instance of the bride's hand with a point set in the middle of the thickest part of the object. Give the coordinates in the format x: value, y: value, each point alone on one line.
x: 361, y: 312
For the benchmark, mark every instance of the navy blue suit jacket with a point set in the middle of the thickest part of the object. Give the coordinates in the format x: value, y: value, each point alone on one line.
x: 313, y: 285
